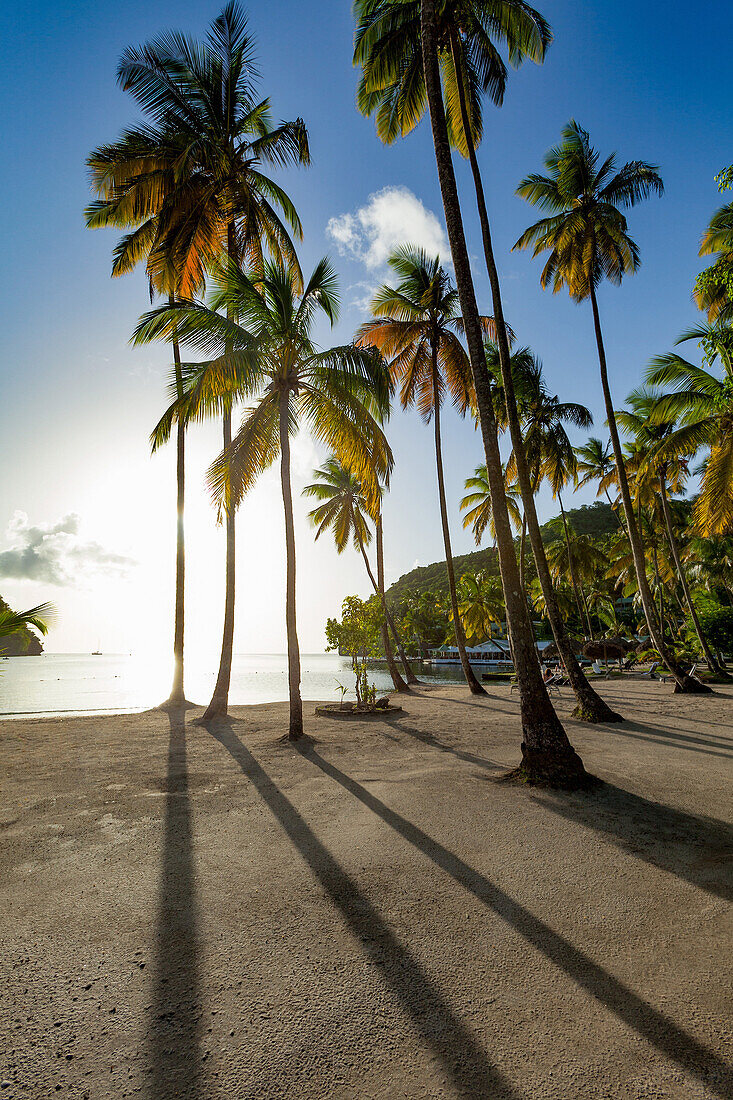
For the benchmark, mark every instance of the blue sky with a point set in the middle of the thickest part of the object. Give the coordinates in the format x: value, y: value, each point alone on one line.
x: 77, y: 403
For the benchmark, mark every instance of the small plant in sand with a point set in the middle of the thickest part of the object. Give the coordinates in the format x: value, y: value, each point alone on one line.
x: 357, y: 634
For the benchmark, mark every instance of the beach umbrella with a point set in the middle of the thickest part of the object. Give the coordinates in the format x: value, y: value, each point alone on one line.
x: 607, y: 649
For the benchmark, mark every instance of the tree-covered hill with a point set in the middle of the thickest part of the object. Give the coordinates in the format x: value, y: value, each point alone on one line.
x: 591, y: 519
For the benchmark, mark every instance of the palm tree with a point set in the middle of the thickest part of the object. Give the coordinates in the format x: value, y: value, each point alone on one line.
x: 703, y: 404
x: 547, y: 755
x: 595, y: 462
x: 714, y: 285
x: 480, y: 604
x: 544, y: 418
x: 543, y: 448
x: 40, y: 617
x: 581, y: 559
x: 586, y: 236
x: 466, y: 38
x: 142, y: 199
x: 663, y: 472
x: 340, y: 395
x: 209, y: 132
x: 711, y: 565
x: 416, y: 326
x: 477, y: 504
x: 344, y: 510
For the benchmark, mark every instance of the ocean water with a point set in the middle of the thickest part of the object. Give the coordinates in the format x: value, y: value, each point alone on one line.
x: 80, y: 683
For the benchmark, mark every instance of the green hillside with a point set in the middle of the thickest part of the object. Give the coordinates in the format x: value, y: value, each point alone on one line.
x: 591, y: 519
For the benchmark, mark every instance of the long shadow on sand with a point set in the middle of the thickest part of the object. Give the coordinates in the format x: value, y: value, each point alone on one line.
x: 658, y: 1030
x: 695, y: 848
x: 174, y: 1021
x: 398, y: 723
x: 690, y: 743
x: 461, y: 1056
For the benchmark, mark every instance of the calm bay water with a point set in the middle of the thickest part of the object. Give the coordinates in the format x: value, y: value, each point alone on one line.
x: 81, y: 683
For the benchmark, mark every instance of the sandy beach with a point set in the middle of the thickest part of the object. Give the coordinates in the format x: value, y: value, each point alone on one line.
x: 194, y: 913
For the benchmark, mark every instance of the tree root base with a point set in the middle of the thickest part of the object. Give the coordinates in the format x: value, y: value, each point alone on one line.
x: 691, y: 686
x: 477, y: 689
x: 595, y: 713
x: 548, y: 770
x: 176, y: 704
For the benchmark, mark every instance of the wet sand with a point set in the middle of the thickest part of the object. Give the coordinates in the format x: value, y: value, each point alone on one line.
x: 193, y: 913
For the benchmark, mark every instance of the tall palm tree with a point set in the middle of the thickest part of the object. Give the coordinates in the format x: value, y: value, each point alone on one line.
x: 547, y: 755
x: 587, y: 240
x: 269, y: 357
x: 135, y: 181
x: 703, y: 404
x: 664, y: 472
x: 541, y: 440
x: 416, y: 326
x: 344, y: 511
x: 467, y: 38
x: 208, y: 128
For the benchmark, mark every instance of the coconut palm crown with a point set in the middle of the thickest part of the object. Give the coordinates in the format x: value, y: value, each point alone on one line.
x: 585, y: 232
x: 191, y: 179
x: 471, y: 37
x: 414, y: 320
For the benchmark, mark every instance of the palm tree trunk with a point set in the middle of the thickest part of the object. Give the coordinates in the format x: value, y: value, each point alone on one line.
x: 399, y: 683
x: 219, y: 705
x: 590, y: 707
x: 660, y: 590
x: 621, y: 523
x: 385, y: 609
x: 468, y: 672
x: 582, y: 606
x: 177, y: 696
x: 709, y: 658
x: 522, y: 556
x: 547, y: 755
x: 295, y: 731
x: 683, y: 682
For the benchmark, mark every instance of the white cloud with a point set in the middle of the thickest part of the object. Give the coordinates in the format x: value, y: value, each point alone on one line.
x: 391, y: 217
x: 54, y: 554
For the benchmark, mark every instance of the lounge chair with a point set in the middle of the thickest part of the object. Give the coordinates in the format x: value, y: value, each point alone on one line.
x: 552, y: 685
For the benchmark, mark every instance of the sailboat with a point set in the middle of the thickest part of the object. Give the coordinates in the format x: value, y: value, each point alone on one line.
x: 97, y: 652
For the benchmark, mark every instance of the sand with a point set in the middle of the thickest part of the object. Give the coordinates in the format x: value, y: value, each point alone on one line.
x: 187, y: 914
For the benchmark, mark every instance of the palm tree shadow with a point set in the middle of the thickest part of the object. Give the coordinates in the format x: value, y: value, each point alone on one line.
x: 656, y: 1028
x: 712, y: 745
x: 174, y: 1022
x: 398, y: 723
x: 693, y: 847
x: 462, y: 1057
